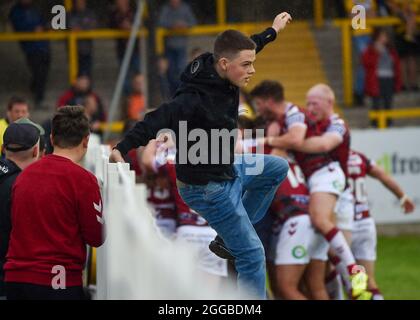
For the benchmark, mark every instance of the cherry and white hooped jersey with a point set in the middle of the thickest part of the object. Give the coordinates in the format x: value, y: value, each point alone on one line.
x: 295, y: 116
x: 292, y: 197
x: 341, y: 153
x: 162, y: 202
x: 313, y: 162
x: 359, y: 167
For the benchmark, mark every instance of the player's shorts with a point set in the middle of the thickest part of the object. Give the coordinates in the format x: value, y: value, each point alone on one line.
x: 298, y: 243
x: 166, y: 226
x: 364, y: 239
x: 200, y: 237
x: 329, y: 179
x: 344, y: 210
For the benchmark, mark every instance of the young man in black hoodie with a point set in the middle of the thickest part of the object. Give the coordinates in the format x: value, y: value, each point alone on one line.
x: 21, y: 142
x: 231, y: 192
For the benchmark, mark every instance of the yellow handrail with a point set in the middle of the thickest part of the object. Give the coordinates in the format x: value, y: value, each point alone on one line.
x: 161, y: 33
x: 383, y: 115
x: 72, y: 37
x: 346, y: 34
x: 116, y: 126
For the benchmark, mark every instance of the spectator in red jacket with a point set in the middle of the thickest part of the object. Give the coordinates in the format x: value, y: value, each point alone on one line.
x: 383, y: 72
x: 77, y: 94
x: 56, y: 213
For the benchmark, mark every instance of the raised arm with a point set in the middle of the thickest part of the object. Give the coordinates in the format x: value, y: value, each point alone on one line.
x: 270, y: 34
x: 392, y: 185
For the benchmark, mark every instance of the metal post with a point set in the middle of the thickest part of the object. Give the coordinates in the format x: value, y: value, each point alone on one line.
x: 73, y: 58
x: 347, y: 63
x: 124, y: 68
x: 68, y: 4
x: 319, y: 13
x: 221, y: 11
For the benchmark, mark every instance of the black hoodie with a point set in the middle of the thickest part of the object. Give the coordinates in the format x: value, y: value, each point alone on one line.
x: 8, y: 174
x: 205, y: 101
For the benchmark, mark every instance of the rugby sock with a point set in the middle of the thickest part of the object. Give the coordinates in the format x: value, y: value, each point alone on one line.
x: 342, y: 271
x: 376, y: 294
x: 334, y: 286
x: 341, y: 248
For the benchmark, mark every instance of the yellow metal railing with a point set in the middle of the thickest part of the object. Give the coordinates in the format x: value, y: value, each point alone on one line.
x: 72, y: 37
x: 116, y: 126
x: 380, y: 115
x: 347, y: 57
x: 383, y: 115
x: 201, y: 30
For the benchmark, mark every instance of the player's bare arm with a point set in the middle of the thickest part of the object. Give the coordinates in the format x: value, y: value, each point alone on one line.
x: 392, y: 185
x: 325, y: 143
x: 294, y: 138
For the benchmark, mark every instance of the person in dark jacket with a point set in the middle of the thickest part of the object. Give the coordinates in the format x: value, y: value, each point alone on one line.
x: 82, y: 18
x: 222, y: 188
x: 21, y: 141
x: 77, y: 94
x: 26, y: 18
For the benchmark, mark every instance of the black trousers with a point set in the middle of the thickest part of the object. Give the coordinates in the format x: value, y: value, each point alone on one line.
x: 39, y: 65
x: 27, y: 291
x: 385, y: 99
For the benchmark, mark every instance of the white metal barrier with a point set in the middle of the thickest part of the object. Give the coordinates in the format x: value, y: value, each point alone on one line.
x: 136, y: 261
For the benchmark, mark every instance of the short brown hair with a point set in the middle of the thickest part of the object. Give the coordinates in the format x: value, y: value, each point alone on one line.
x: 230, y: 42
x: 69, y: 126
x: 16, y: 100
x: 269, y: 89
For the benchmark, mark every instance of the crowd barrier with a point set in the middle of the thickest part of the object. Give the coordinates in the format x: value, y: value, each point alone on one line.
x: 137, y: 261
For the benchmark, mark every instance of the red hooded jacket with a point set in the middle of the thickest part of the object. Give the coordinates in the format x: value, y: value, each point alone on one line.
x: 370, y: 59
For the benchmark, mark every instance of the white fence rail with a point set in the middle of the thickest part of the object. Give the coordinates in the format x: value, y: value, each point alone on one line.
x: 136, y: 261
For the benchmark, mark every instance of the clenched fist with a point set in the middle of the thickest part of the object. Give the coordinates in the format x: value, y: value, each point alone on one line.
x: 281, y: 20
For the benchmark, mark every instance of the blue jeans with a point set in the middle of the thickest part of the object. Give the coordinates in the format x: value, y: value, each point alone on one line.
x: 232, y: 207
